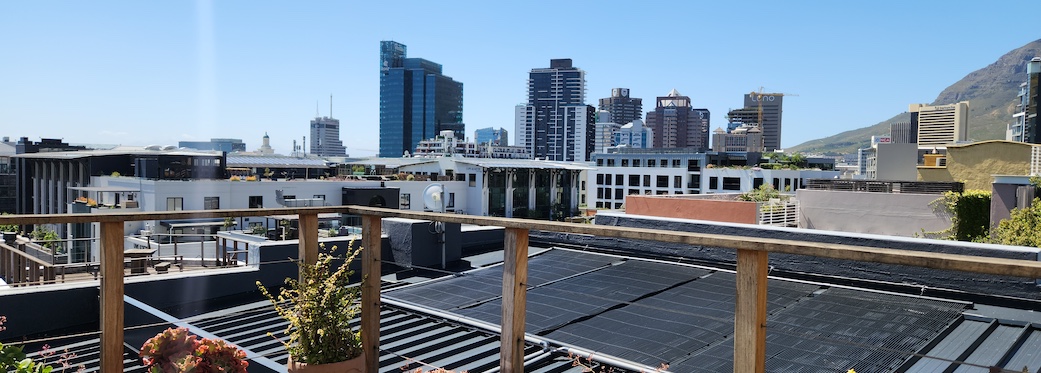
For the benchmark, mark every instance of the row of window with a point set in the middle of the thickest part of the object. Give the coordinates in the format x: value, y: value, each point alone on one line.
x: 661, y: 181
x: 213, y: 203
x: 620, y: 193
x: 692, y: 164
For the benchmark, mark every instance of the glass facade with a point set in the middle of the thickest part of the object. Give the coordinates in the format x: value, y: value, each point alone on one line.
x: 416, y: 101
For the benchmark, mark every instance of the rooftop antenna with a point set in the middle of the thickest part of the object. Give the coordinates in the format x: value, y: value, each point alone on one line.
x: 330, y: 105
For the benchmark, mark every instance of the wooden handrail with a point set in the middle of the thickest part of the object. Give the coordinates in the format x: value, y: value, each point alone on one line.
x: 750, y: 305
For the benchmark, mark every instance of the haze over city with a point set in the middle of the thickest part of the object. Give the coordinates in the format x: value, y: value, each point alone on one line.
x: 139, y: 73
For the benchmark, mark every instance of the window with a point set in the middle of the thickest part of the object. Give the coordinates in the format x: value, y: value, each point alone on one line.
x: 634, y: 180
x: 610, y: 163
x: 636, y: 163
x: 664, y: 163
x: 210, y: 203
x: 600, y: 193
x: 289, y: 196
x: 174, y: 204
x: 693, y: 165
x: 319, y: 196
x: 405, y: 201
x: 600, y: 163
x: 634, y: 191
x: 583, y: 187
x: 695, y: 181
x: 777, y: 184
x: 256, y: 202
x: 619, y: 179
x: 757, y: 182
x: 607, y: 179
x: 625, y: 163
x: 713, y: 182
x: 473, y: 180
x: 618, y: 194
x: 646, y: 180
x: 731, y: 183
x: 677, y: 182
x: 451, y: 201
x: 662, y: 181
x: 652, y: 163
x: 676, y: 163
x: 599, y: 179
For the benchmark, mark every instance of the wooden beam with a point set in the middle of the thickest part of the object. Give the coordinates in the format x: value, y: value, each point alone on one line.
x: 371, y: 238
x: 750, y: 312
x: 111, y: 297
x: 308, y: 234
x: 514, y: 299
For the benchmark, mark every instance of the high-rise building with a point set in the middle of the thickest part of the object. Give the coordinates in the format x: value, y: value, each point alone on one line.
x: 634, y: 135
x: 497, y: 137
x: 556, y: 124
x: 605, y: 131
x: 623, y: 109
x: 771, y: 125
x: 678, y: 125
x: 1027, y: 127
x: 940, y: 124
x: 417, y: 101
x: 903, y: 133
x: 325, y: 138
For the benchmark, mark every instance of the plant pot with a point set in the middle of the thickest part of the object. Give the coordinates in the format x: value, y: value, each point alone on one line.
x: 355, y: 365
x: 9, y: 237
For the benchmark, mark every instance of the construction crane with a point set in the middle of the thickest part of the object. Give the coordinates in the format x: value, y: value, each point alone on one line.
x: 759, y: 99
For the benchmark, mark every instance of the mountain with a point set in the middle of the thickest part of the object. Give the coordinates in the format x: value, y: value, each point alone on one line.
x: 991, y: 92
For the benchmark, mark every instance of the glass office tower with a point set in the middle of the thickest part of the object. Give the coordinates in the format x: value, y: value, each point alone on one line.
x: 416, y: 101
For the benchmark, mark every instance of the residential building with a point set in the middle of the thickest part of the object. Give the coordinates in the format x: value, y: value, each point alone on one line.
x: 772, y: 108
x: 623, y: 109
x: 604, y: 131
x: 1026, y: 127
x: 634, y: 135
x: 447, y: 145
x: 497, y: 137
x: 940, y: 124
x: 742, y: 138
x: 556, y: 124
x: 325, y: 138
x: 417, y: 101
x: 676, y: 124
x: 221, y: 145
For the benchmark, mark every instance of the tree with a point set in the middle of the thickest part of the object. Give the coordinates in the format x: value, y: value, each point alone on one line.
x: 1020, y: 228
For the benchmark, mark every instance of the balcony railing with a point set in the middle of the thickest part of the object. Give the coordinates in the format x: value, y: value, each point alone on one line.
x: 751, y: 285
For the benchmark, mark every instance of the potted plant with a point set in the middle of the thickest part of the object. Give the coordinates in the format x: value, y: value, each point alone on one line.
x: 177, y: 350
x: 319, y: 307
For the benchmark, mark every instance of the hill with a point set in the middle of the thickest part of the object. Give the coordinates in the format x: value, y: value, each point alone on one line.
x: 991, y: 92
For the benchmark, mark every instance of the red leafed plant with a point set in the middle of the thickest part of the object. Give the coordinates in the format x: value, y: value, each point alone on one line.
x: 177, y: 350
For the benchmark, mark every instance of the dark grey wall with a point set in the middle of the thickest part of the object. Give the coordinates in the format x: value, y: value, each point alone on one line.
x: 980, y: 284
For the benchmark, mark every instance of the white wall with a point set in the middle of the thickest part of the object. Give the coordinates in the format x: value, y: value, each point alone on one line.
x: 891, y: 214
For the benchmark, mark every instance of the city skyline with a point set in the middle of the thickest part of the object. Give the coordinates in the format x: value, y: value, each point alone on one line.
x: 159, y: 73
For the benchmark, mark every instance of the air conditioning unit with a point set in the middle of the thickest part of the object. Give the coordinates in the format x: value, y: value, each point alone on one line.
x: 941, y: 162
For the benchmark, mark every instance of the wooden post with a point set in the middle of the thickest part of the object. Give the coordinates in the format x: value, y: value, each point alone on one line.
x: 514, y: 299
x: 307, y: 231
x: 371, y: 238
x: 112, y: 296
x: 750, y: 312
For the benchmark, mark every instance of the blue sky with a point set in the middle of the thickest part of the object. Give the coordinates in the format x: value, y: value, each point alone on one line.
x: 158, y: 72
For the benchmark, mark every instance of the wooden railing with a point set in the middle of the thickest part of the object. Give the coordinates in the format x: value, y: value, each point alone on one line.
x: 752, y: 269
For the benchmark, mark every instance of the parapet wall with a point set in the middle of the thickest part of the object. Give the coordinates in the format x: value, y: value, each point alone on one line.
x: 926, y: 279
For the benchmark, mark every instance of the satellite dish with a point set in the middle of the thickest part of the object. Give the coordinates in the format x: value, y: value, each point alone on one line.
x: 433, y: 197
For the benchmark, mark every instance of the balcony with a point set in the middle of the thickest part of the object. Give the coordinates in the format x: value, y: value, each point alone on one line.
x: 750, y: 275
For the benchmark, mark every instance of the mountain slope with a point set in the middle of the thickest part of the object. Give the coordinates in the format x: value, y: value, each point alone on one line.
x: 991, y: 92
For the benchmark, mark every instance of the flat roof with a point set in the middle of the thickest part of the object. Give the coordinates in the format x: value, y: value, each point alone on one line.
x: 106, y: 189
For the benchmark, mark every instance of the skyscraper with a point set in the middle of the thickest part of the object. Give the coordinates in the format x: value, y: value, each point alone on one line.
x: 771, y: 126
x: 1027, y: 127
x: 623, y: 109
x: 325, y: 138
x: 678, y: 125
x: 416, y: 101
x: 556, y: 124
x: 498, y: 137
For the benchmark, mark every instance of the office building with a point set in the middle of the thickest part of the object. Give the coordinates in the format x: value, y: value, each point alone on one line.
x: 556, y: 124
x: 1026, y: 127
x: 634, y: 135
x: 678, y: 125
x: 325, y: 138
x: 605, y: 129
x: 416, y: 101
x: 221, y: 145
x: 904, y: 133
x: 623, y: 109
x: 940, y: 124
x: 771, y: 123
x: 498, y: 137
x: 743, y: 138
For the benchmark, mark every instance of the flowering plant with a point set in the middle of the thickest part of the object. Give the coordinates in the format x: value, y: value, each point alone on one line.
x: 176, y: 350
